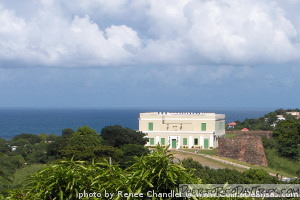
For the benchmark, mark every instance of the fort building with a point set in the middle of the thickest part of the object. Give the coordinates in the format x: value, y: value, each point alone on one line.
x: 182, y: 130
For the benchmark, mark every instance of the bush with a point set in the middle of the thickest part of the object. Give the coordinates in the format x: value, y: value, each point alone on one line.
x: 65, y: 180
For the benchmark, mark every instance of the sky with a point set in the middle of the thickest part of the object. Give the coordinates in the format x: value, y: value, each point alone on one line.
x: 150, y: 53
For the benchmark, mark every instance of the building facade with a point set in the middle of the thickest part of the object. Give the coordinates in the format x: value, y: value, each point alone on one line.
x: 183, y: 130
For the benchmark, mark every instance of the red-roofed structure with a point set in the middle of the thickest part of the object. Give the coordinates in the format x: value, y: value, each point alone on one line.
x: 245, y: 129
x: 231, y: 125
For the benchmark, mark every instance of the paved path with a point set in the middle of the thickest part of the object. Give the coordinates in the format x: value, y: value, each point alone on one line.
x: 224, y: 161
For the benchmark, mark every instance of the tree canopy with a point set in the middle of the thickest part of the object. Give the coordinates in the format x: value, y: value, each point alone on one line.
x: 118, y: 136
x: 287, y: 137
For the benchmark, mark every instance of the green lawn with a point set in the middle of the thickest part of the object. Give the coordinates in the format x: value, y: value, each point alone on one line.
x: 210, y: 152
x: 230, y: 135
x: 208, y: 161
x: 270, y: 169
x: 25, y: 172
x: 283, y: 164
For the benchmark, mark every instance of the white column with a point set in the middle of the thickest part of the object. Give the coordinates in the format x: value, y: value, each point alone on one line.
x: 157, y: 140
x: 211, y: 140
x: 178, y: 142
x: 201, y: 142
x: 190, y: 141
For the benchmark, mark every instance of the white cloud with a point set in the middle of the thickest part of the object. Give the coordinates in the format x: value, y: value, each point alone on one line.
x: 171, y: 32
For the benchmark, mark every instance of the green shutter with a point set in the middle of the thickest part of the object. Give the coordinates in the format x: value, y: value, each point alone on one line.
x: 162, y: 141
x: 150, y: 126
x: 203, y: 127
x: 206, y: 143
x: 184, y: 141
x: 196, y: 141
x: 151, y: 141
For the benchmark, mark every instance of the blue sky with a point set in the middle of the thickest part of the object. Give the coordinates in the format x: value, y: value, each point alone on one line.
x: 132, y: 53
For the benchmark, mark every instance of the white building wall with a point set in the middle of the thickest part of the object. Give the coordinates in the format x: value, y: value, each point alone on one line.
x: 157, y: 140
x: 211, y: 141
x: 190, y: 141
x: 201, y: 141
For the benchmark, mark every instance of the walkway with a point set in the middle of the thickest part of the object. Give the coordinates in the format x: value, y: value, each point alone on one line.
x: 225, y: 161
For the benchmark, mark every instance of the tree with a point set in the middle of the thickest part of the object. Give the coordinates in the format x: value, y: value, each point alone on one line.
x: 85, y: 130
x: 130, y: 151
x: 258, y: 176
x: 118, y: 136
x: 134, y: 150
x: 80, y: 144
x: 287, y: 137
x: 87, y: 147
x: 4, y: 146
x: 29, y: 138
x: 67, y: 132
x: 81, y: 147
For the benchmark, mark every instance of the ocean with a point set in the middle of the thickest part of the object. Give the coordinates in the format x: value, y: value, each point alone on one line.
x: 15, y: 121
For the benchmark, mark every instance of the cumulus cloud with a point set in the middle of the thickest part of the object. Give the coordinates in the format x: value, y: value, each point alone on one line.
x: 170, y: 32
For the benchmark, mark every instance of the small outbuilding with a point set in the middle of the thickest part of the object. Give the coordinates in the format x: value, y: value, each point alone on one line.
x: 231, y: 125
x: 245, y: 129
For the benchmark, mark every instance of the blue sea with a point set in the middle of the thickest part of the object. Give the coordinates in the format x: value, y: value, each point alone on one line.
x: 14, y: 121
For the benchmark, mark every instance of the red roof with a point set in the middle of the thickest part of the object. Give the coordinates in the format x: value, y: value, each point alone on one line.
x: 245, y: 129
x: 232, y: 124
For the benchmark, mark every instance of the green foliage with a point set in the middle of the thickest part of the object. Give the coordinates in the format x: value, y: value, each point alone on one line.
x: 269, y: 143
x: 67, y: 132
x: 65, y: 180
x: 208, y: 175
x: 287, y: 137
x: 258, y: 176
x: 280, y: 163
x: 134, y: 150
x: 28, y: 138
x: 84, y: 144
x: 118, y: 136
x: 86, y: 147
x: 25, y: 173
x: 8, y: 165
x: 43, y: 136
x: 33, y: 153
x: 4, y: 146
x: 130, y: 151
x: 61, y: 181
x: 85, y: 130
x: 54, y: 148
x: 19, y: 142
x: 157, y: 171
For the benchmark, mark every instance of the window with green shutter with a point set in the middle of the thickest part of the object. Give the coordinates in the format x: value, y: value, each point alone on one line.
x: 151, y: 140
x: 184, y: 141
x: 203, y: 126
x: 150, y: 126
x: 195, y: 141
x: 162, y: 141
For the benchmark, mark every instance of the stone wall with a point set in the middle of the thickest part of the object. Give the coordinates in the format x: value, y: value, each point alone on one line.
x: 245, y: 147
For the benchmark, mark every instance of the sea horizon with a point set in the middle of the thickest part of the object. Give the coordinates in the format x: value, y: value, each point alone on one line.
x: 15, y: 121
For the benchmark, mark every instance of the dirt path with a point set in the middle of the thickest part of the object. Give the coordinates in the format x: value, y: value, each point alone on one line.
x: 203, y: 160
x: 212, y: 162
